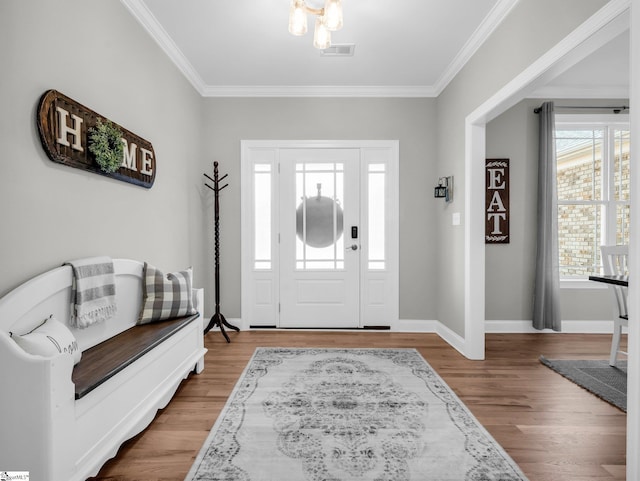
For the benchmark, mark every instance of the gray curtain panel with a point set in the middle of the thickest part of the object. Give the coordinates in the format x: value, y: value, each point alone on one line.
x: 546, y: 301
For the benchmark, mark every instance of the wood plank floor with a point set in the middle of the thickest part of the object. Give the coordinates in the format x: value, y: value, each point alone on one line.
x: 552, y: 428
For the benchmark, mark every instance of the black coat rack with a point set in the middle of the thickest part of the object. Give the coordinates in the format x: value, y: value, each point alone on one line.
x: 217, y: 319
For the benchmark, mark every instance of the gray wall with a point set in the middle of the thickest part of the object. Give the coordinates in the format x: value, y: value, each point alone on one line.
x: 97, y: 54
x: 531, y: 29
x: 105, y: 60
x: 510, y: 268
x: 411, y: 121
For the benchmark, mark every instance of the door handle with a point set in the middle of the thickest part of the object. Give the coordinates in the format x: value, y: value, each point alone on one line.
x: 352, y: 247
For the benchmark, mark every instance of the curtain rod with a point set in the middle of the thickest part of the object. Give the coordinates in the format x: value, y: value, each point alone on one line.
x: 616, y: 110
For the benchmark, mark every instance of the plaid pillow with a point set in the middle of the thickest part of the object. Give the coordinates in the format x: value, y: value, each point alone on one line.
x: 165, y: 296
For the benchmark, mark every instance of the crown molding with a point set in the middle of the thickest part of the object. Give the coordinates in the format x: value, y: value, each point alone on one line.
x: 143, y: 15
x: 318, y: 91
x: 150, y: 23
x: 497, y: 14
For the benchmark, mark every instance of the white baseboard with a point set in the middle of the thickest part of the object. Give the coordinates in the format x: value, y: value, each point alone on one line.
x: 454, y: 339
x: 415, y: 325
x: 234, y: 321
x: 491, y: 327
x: 436, y: 327
x: 568, y: 326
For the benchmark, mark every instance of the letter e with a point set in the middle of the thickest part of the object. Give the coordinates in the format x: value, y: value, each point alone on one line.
x: 147, y: 157
x: 495, y: 176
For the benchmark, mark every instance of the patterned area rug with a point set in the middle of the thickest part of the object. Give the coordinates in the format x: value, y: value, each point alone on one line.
x: 596, y: 376
x: 347, y: 414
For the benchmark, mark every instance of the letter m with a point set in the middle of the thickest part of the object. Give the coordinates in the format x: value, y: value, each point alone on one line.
x: 129, y: 155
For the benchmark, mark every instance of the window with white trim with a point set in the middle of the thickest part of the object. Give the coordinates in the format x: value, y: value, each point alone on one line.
x: 593, y: 189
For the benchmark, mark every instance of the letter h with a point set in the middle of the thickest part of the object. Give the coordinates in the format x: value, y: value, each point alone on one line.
x: 64, y: 130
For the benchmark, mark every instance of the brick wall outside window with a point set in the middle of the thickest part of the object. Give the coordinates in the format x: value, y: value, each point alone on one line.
x: 579, y: 225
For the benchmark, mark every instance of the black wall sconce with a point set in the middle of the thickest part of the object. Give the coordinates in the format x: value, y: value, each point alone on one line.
x: 444, y: 189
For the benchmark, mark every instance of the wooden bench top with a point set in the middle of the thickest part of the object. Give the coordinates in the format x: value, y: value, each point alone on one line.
x: 102, y: 361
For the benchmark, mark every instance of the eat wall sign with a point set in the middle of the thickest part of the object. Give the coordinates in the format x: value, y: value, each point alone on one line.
x: 497, y: 201
x: 64, y: 125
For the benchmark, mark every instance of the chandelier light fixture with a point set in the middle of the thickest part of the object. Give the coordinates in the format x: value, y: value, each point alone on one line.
x: 328, y: 19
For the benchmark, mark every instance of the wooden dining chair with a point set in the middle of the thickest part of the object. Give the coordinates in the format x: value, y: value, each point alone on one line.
x: 614, y: 262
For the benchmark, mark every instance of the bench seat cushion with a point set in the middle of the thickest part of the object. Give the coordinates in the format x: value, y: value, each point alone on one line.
x: 104, y: 360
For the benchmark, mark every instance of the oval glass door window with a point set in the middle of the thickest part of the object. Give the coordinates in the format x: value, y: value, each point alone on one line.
x: 317, y: 215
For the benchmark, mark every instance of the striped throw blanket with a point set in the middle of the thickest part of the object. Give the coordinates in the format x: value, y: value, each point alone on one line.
x: 93, y: 297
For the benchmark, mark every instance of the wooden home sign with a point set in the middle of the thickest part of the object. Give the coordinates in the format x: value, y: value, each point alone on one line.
x: 64, y: 125
x: 497, y: 201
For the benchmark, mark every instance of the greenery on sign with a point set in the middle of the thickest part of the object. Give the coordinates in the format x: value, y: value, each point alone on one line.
x: 105, y: 142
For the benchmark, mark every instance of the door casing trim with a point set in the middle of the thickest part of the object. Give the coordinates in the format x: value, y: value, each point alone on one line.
x: 272, y: 147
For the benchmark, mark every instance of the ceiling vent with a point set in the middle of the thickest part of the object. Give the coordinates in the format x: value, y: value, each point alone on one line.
x: 340, y: 50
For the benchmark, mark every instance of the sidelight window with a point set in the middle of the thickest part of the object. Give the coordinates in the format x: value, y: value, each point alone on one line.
x: 262, y: 178
x: 376, y: 216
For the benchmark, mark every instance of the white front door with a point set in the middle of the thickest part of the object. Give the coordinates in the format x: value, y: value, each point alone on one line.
x: 319, y: 239
x: 319, y: 234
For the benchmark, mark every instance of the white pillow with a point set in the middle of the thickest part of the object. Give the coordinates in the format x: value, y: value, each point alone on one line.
x: 49, y: 339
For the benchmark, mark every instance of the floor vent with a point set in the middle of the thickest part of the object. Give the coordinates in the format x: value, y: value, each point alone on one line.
x: 341, y: 50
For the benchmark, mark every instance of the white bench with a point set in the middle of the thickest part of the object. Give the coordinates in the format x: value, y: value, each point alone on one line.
x: 59, y: 430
